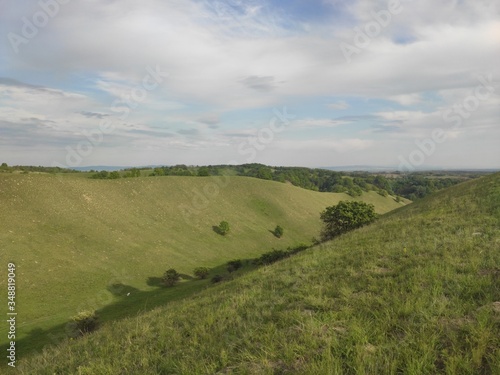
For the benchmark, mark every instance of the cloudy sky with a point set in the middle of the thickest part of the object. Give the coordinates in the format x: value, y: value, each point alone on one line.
x: 298, y: 82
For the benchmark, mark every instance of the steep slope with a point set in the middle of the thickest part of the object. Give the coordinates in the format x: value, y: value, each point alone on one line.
x: 73, y: 238
x: 418, y: 292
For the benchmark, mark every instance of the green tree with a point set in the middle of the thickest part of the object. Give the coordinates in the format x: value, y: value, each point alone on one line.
x: 265, y: 173
x: 345, y: 216
x: 278, y: 231
x: 134, y: 172
x: 223, y: 228
x: 203, y: 172
x: 171, y: 277
x: 101, y: 175
x: 114, y: 175
x: 355, y: 191
x: 201, y: 272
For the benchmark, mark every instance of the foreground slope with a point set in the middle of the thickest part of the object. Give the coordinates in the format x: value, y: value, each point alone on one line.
x: 73, y: 238
x: 418, y: 292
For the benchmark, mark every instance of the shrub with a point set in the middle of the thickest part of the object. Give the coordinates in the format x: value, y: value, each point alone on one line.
x: 171, y: 277
x: 272, y: 256
x: 298, y: 248
x: 345, y: 216
x: 217, y: 279
x: 101, y: 175
x: 278, y: 231
x: 383, y: 192
x: 203, y: 171
x: 355, y: 191
x: 223, y: 228
x: 234, y: 265
x: 201, y: 272
x: 275, y: 255
x: 84, y: 322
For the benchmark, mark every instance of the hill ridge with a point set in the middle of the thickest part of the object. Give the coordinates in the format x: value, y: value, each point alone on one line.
x: 73, y: 238
x: 417, y: 292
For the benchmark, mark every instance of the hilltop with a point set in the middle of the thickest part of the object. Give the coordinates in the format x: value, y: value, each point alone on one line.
x: 417, y: 292
x: 85, y: 244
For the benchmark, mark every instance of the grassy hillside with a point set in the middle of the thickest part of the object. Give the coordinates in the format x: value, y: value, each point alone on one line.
x: 84, y: 244
x: 418, y: 292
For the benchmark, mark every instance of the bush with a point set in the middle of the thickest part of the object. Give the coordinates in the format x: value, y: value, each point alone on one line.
x: 223, y: 228
x: 383, y: 192
x: 355, y: 191
x: 272, y: 256
x: 217, y: 279
x: 203, y: 171
x: 201, y: 272
x: 345, y: 216
x: 278, y: 231
x: 100, y: 175
x: 83, y: 323
x: 234, y: 265
x: 171, y: 277
x: 275, y: 255
x: 105, y: 175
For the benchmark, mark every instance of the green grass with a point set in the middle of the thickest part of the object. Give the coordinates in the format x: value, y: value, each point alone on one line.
x: 72, y: 238
x: 417, y: 292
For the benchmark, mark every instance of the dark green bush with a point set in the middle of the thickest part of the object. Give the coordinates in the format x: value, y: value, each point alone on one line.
x: 223, y: 228
x: 234, y: 265
x: 83, y: 323
x: 278, y: 231
x: 171, y: 277
x: 272, y: 256
x: 201, y: 272
x: 217, y: 279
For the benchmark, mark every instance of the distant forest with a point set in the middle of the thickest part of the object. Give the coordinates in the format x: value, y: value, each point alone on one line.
x: 413, y: 186
x: 29, y: 168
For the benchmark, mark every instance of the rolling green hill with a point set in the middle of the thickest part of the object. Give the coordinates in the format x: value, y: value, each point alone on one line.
x: 417, y: 292
x: 85, y: 244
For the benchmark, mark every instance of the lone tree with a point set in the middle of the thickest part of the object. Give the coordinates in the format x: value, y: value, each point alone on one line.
x: 171, y: 277
x: 345, y: 216
x: 278, y: 231
x: 223, y: 228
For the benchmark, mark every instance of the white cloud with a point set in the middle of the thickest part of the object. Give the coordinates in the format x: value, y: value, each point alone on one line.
x: 340, y: 105
x: 406, y: 99
x: 234, y: 56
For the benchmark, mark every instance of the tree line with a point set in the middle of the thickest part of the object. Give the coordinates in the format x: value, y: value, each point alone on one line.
x: 411, y: 186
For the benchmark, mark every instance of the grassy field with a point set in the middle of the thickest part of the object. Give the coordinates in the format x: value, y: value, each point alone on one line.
x: 417, y: 292
x: 85, y: 244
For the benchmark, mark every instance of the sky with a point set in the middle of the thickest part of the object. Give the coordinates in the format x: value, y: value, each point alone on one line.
x: 410, y: 83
